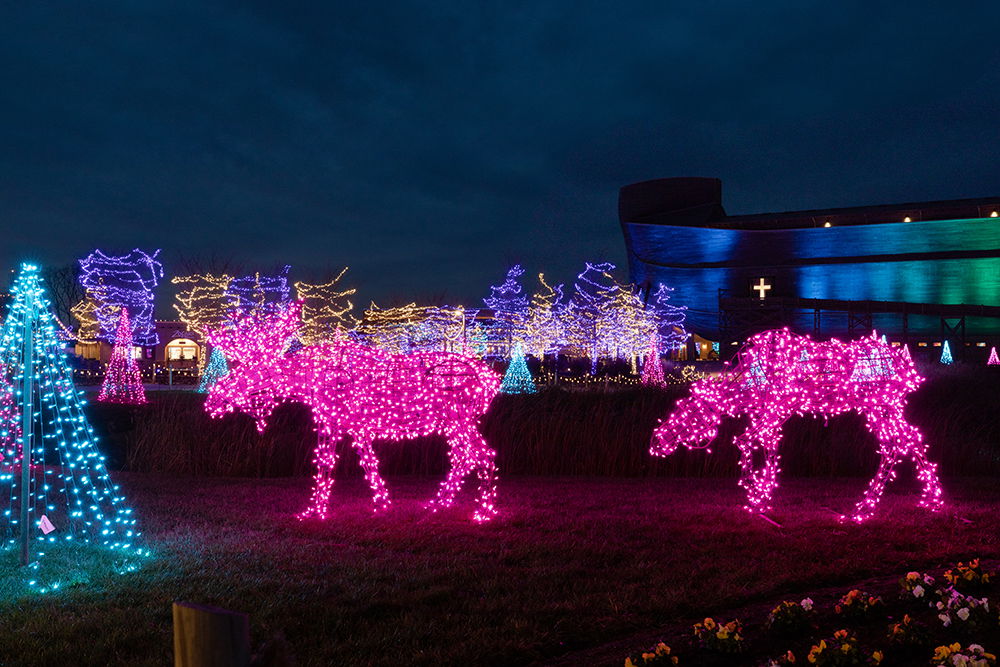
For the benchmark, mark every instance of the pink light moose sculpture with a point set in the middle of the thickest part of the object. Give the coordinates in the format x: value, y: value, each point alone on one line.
x: 780, y: 374
x: 363, y: 392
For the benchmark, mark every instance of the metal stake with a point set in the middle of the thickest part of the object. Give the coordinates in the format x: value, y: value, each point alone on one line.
x: 27, y: 419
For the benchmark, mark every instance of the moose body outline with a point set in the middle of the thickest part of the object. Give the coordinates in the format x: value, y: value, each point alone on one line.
x: 365, y: 393
x: 780, y: 374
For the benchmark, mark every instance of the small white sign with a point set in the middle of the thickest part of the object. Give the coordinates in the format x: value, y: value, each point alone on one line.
x: 45, y: 525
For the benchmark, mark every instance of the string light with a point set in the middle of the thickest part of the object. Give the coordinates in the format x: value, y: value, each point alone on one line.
x: 780, y: 374
x: 363, y: 392
x: 669, y: 320
x: 122, y: 383
x: 652, y: 370
x: 510, y: 312
x: 946, y: 357
x: 71, y: 498
x: 545, y: 328
x: 517, y: 379
x: 204, y: 303
x: 85, y: 312
x: 325, y: 310
x: 606, y: 318
x: 258, y: 293
x: 215, y: 369
x: 125, y: 281
x: 588, y: 319
x: 413, y: 328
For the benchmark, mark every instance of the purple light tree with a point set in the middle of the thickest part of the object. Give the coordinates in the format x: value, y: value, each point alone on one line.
x: 669, y: 319
x: 509, y: 304
x: 260, y: 294
x: 123, y: 281
x: 590, y: 312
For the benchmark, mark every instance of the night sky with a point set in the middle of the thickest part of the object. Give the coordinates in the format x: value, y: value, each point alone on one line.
x: 430, y: 145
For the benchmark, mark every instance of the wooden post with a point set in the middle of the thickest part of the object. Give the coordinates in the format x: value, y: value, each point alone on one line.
x: 210, y: 637
x: 27, y: 419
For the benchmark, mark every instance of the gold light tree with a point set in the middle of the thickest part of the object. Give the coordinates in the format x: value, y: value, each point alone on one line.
x: 545, y: 329
x: 203, y: 305
x: 410, y: 328
x: 85, y: 312
x: 326, y: 310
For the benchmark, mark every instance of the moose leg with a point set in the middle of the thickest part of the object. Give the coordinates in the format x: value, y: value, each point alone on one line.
x: 325, y: 460
x: 487, y: 473
x: 927, y: 474
x: 459, y: 465
x: 904, y: 437
x: 759, y: 483
x: 886, y: 472
x: 894, y: 439
x: 369, y: 462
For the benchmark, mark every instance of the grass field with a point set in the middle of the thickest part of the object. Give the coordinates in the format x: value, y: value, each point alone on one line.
x: 570, y: 565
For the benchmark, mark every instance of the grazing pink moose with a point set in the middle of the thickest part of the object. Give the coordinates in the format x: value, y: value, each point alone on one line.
x: 780, y: 374
x: 363, y: 392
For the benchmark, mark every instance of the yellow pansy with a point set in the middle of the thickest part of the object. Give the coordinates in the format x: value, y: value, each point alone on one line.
x: 941, y: 652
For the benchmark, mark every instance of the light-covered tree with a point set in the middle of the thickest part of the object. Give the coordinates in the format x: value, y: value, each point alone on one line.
x: 326, y: 309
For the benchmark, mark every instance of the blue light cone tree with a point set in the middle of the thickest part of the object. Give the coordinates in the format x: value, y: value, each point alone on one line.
x: 63, y: 501
x: 215, y: 369
x: 946, y: 357
x: 517, y: 379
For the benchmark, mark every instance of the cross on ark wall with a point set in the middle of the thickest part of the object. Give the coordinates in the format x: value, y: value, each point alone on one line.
x: 761, y: 287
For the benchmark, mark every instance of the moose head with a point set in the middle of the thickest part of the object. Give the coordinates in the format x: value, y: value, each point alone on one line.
x: 254, y: 346
x: 694, y: 423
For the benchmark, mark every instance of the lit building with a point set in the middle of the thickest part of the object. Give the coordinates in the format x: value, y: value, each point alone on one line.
x: 178, y: 348
x: 924, y: 271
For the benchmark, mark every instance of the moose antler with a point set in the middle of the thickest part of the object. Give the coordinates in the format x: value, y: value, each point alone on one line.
x: 256, y: 337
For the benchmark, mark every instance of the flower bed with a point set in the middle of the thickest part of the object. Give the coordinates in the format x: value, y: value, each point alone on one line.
x: 945, y: 621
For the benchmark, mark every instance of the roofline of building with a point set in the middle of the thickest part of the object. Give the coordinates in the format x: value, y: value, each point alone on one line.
x: 697, y: 202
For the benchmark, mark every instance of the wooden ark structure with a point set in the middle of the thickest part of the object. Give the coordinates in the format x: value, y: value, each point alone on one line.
x: 921, y: 272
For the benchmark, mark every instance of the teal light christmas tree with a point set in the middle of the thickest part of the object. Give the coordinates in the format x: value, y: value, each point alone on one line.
x: 60, y: 505
x: 517, y: 379
x: 215, y: 369
x: 946, y: 357
x: 652, y: 370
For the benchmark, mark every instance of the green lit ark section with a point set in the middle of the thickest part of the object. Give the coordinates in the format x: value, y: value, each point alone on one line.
x: 935, y: 262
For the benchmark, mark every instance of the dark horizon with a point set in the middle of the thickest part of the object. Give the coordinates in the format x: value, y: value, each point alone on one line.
x: 431, y: 148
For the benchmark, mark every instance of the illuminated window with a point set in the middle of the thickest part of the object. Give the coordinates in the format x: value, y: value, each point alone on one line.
x: 182, y: 349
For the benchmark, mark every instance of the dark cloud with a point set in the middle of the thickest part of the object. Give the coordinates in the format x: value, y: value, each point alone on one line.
x: 428, y: 145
